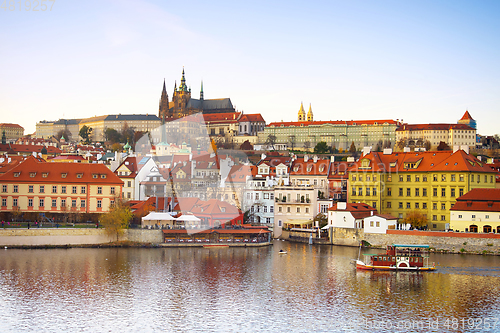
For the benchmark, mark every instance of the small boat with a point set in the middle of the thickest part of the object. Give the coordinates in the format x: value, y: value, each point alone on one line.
x: 398, y: 257
x: 282, y: 252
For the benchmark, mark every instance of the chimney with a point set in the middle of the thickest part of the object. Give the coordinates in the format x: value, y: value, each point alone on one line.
x: 332, y: 158
x: 366, y: 150
x: 465, y: 148
x: 306, y: 158
x: 387, y: 151
x: 315, y: 158
x: 341, y: 206
x: 406, y: 150
x: 456, y: 148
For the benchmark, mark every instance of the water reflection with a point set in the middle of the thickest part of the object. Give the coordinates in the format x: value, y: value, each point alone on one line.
x: 235, y: 289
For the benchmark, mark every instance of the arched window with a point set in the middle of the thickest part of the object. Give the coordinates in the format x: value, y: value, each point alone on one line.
x: 487, y: 228
x: 473, y: 228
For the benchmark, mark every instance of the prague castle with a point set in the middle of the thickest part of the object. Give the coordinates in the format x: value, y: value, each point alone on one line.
x: 183, y: 105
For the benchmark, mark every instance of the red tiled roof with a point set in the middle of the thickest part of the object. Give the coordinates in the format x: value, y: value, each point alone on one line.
x: 310, y: 168
x: 433, y: 127
x: 32, y: 170
x: 29, y: 148
x: 430, y: 161
x: 10, y: 125
x: 252, y: 117
x: 331, y: 122
x: 466, y: 116
x: 222, y: 117
x: 481, y: 194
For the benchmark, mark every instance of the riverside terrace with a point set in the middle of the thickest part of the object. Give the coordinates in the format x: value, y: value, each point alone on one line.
x: 237, y: 236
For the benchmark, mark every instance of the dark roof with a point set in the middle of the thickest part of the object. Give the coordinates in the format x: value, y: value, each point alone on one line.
x: 210, y: 104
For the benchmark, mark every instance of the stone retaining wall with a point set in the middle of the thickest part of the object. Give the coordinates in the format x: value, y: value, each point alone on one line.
x: 439, y: 241
x: 70, y: 236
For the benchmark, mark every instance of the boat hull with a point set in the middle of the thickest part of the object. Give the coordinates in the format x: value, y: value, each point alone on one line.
x: 361, y: 265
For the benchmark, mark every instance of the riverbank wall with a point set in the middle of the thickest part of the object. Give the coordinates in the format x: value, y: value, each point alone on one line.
x: 74, y: 237
x: 446, y: 242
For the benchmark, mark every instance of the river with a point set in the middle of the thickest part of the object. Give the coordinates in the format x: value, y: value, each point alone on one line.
x: 309, y: 289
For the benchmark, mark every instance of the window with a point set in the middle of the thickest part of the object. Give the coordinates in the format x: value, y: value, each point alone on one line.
x: 360, y: 191
x: 279, y: 209
x: 424, y: 192
x: 129, y: 183
x: 103, y: 176
x: 360, y: 178
x: 434, y: 206
x: 266, y: 195
x: 443, y: 217
x: 367, y: 191
x: 424, y: 178
x: 353, y: 191
x: 30, y: 188
x: 298, y: 209
x: 83, y: 190
x: 30, y: 202
x: 389, y: 191
x: 473, y: 216
x: 128, y: 195
x: 400, y: 191
x: 408, y: 192
x: 4, y: 188
x: 443, y: 192
x: 443, y: 178
x: 417, y: 205
x: 460, y: 192
x: 256, y: 196
x: 271, y: 196
x: 434, y: 192
x: 79, y: 175
x: 354, y: 177
x: 459, y: 216
x: 378, y: 224
x: 408, y: 205
x: 14, y: 202
x: 83, y: 203
x: 435, y: 178
x: 73, y: 189
x: 265, y: 209
x: 371, y: 223
x: 434, y: 217
x: 41, y: 203
x: 400, y: 178
x: 4, y: 202
x: 99, y: 189
x: 271, y: 209
x: 54, y: 189
x: 471, y: 178
x: 268, y: 220
x: 63, y: 189
x: 452, y: 193
x: 95, y: 175
x: 400, y: 205
x: 417, y: 178
x: 461, y: 178
x: 408, y: 178
x: 443, y: 206
x: 307, y: 210
x: 112, y: 190
x: 288, y: 210
x: 63, y: 175
x: 486, y: 216
x: 73, y: 203
x: 16, y: 189
x: 99, y: 203
x: 63, y: 202
x: 54, y: 202
x: 42, y: 188
x: 374, y: 204
x: 374, y: 191
x: 417, y: 192
x: 452, y: 178
x: 389, y: 205
x: 424, y: 205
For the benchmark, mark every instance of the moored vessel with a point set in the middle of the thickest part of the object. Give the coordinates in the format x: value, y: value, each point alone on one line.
x: 398, y: 257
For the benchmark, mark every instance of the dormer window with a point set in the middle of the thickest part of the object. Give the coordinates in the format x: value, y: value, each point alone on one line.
x: 16, y: 174
x: 79, y: 175
x: 309, y: 168
x: 63, y: 175
x: 103, y: 176
x: 32, y: 174
x: 95, y: 175
x: 45, y: 175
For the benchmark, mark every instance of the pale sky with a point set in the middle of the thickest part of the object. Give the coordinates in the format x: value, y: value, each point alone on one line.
x: 420, y: 61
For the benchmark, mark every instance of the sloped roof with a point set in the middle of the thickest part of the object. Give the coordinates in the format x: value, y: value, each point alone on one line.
x: 228, y: 117
x: 32, y: 170
x: 430, y: 161
x: 332, y: 122
x: 252, y: 117
x: 433, y: 127
x: 358, y: 210
x: 479, y: 199
x: 210, y: 104
x: 28, y: 148
x: 310, y: 168
x: 2, y: 125
x: 466, y: 116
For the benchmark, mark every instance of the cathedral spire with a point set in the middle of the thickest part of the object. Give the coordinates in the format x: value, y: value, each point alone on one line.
x: 310, y: 113
x: 164, y: 106
x: 302, y: 114
x: 183, y: 86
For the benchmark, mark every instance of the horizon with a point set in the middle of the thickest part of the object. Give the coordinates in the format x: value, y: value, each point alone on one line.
x: 425, y: 62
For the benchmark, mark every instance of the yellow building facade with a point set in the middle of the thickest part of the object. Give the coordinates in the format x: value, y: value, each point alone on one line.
x: 427, y: 182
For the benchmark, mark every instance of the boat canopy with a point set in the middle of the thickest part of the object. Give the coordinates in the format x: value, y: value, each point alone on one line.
x: 411, y: 245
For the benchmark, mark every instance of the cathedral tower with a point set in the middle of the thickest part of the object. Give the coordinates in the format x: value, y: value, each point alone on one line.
x: 310, y: 113
x: 302, y: 113
x: 163, y: 112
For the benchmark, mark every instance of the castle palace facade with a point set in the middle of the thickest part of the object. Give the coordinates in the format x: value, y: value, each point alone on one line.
x: 183, y: 105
